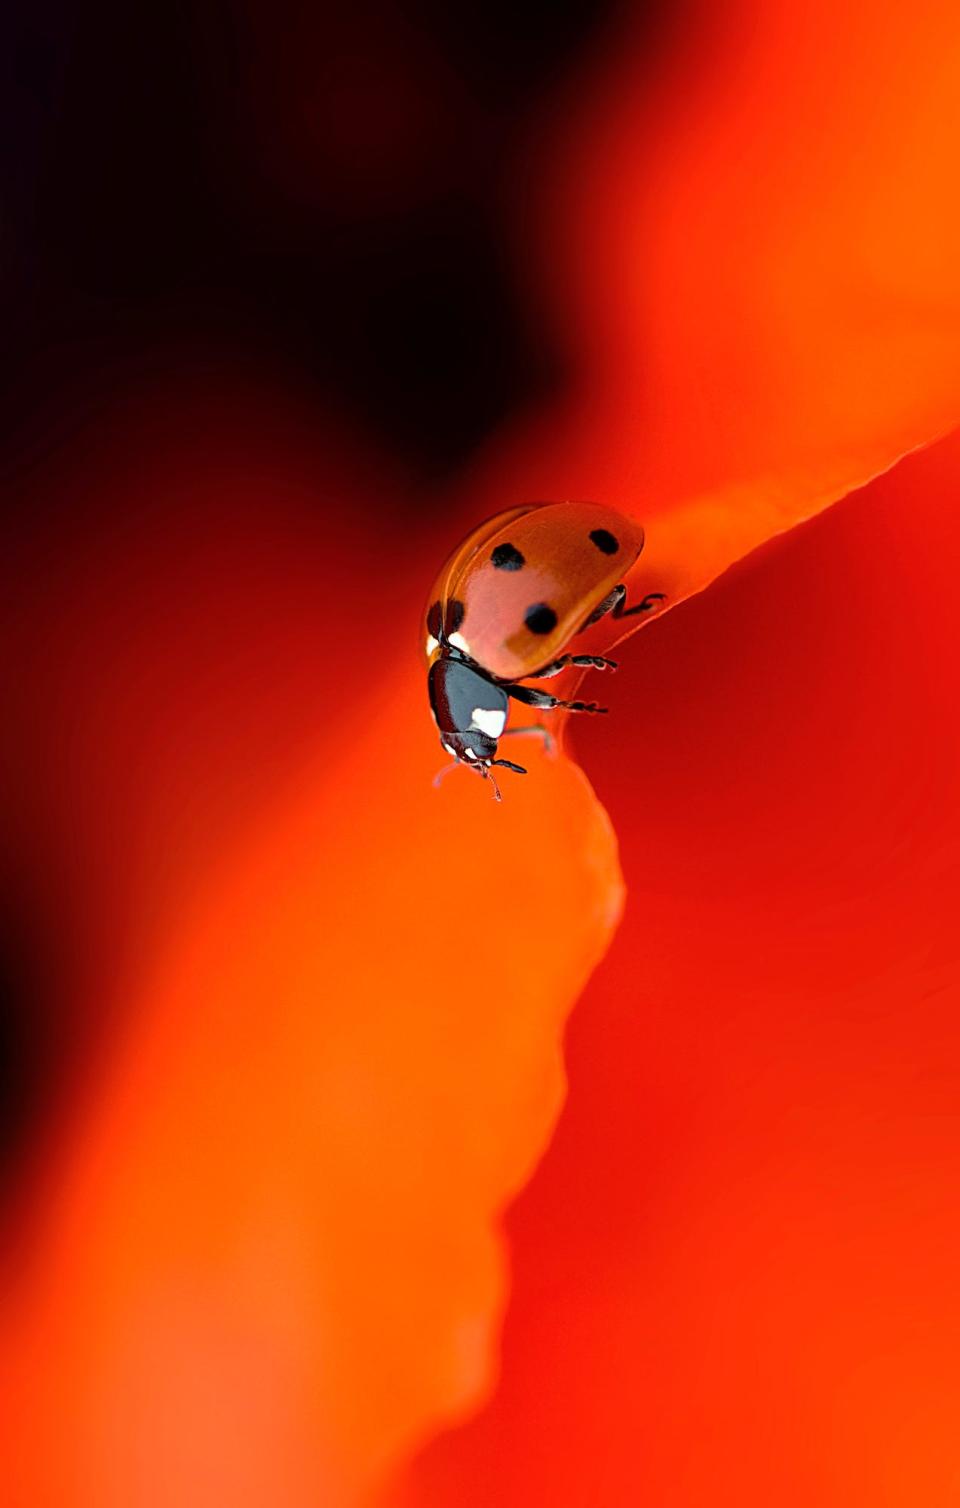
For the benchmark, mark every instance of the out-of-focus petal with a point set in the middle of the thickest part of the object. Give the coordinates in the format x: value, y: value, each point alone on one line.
x: 754, y: 247
x: 267, y: 1258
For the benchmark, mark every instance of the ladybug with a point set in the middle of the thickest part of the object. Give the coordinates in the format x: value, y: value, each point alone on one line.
x: 503, y: 610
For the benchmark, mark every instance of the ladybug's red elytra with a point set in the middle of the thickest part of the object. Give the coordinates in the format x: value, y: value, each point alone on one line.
x: 504, y: 608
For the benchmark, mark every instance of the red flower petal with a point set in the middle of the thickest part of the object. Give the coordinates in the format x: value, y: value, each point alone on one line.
x: 268, y: 1268
x: 267, y: 1262
x: 735, y: 1270
x: 753, y: 248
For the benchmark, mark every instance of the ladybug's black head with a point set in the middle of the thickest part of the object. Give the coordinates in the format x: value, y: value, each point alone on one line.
x: 471, y: 745
x: 470, y: 711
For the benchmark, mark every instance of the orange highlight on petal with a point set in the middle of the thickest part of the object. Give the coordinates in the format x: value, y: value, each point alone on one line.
x: 273, y: 1264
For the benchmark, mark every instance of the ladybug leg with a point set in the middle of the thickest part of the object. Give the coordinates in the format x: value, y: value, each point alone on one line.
x: 588, y: 662
x: 613, y: 604
x: 532, y: 698
x: 643, y: 606
x: 610, y: 603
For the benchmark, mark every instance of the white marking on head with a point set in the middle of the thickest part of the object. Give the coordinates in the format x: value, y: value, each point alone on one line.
x: 448, y: 750
x: 489, y: 720
x: 469, y: 754
x: 459, y: 642
x: 431, y: 644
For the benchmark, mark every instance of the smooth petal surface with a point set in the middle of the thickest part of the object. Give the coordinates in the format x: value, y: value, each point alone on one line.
x: 275, y: 1263
x: 735, y: 1271
x: 266, y: 1259
x: 759, y: 259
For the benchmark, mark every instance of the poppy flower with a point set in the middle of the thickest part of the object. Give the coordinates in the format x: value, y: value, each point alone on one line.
x: 261, y: 1260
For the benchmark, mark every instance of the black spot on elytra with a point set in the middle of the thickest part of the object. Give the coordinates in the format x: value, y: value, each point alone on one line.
x: 507, y: 558
x: 450, y: 621
x: 454, y: 616
x: 606, y: 542
x: 540, y: 619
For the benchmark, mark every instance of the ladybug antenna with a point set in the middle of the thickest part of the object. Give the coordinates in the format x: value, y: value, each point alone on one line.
x: 445, y: 771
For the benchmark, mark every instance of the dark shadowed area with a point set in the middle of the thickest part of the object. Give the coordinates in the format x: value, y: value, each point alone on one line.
x: 318, y: 198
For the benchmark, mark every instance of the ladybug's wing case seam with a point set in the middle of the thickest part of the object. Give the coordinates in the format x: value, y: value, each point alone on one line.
x: 445, y: 586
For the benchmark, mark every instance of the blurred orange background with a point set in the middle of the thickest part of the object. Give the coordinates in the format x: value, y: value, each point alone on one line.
x: 285, y: 1023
